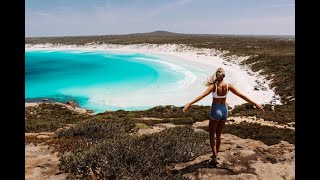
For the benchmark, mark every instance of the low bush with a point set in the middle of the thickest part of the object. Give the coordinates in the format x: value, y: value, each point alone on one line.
x: 143, y: 157
x: 50, y: 117
x: 266, y: 134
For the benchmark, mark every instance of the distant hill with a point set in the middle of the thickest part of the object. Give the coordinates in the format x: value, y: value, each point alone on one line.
x: 156, y: 33
x: 163, y: 33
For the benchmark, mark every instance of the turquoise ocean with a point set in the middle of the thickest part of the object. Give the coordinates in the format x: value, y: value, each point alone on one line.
x: 92, y: 78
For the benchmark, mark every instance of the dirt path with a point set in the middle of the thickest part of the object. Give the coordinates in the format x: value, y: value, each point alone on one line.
x: 253, y: 119
x: 41, y: 163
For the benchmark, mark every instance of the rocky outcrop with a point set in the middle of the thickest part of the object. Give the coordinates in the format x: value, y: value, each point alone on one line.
x: 243, y: 159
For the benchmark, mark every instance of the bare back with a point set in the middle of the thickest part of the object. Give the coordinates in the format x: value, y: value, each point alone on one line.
x: 222, y: 90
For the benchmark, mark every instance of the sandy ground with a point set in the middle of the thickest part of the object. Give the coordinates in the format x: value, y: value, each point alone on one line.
x: 40, y: 161
x: 248, y: 119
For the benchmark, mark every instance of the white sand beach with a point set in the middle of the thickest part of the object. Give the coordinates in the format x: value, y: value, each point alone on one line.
x: 197, y: 63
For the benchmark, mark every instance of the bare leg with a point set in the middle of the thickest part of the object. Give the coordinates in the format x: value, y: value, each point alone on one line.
x: 218, y: 133
x: 213, y: 124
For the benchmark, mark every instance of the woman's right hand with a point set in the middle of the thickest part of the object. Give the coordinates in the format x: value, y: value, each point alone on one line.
x: 186, y: 107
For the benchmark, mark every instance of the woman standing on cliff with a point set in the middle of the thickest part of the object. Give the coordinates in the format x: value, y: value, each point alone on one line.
x: 219, y: 109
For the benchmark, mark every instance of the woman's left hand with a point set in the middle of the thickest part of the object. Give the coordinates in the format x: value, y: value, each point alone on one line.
x: 186, y: 107
x: 260, y: 107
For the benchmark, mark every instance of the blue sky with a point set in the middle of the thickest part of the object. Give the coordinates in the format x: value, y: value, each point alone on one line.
x: 102, y: 17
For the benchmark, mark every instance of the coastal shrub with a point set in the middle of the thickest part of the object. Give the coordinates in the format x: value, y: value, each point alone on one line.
x: 266, y: 134
x: 166, y: 114
x: 34, y: 140
x: 42, y: 125
x: 137, y: 157
x: 180, y: 121
x: 55, y: 116
x: 147, y: 122
x: 196, y: 112
x: 282, y: 114
x: 50, y: 117
x: 97, y: 129
x: 85, y: 134
x: 74, y: 144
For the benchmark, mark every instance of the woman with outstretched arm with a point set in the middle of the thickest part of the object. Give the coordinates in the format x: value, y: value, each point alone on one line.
x: 219, y: 109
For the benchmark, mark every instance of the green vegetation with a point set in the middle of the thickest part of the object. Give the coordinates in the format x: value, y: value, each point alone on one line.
x: 145, y: 157
x: 282, y: 114
x: 95, y: 129
x: 166, y: 114
x: 278, y: 67
x: 34, y: 140
x: 49, y: 117
x: 142, y: 126
x: 266, y: 134
x: 85, y: 134
x: 101, y: 146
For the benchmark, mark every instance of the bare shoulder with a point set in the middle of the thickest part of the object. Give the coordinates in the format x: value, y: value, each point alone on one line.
x: 212, y: 86
x: 227, y: 84
x: 230, y: 86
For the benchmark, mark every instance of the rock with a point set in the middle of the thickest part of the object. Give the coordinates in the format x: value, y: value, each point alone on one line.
x: 204, y: 123
x: 71, y: 103
x: 200, y: 131
x: 251, y: 74
x: 89, y: 111
x: 249, y: 106
x: 45, y: 99
x: 42, y: 136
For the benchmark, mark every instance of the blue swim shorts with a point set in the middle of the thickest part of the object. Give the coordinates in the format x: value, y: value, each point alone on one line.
x: 219, y: 111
